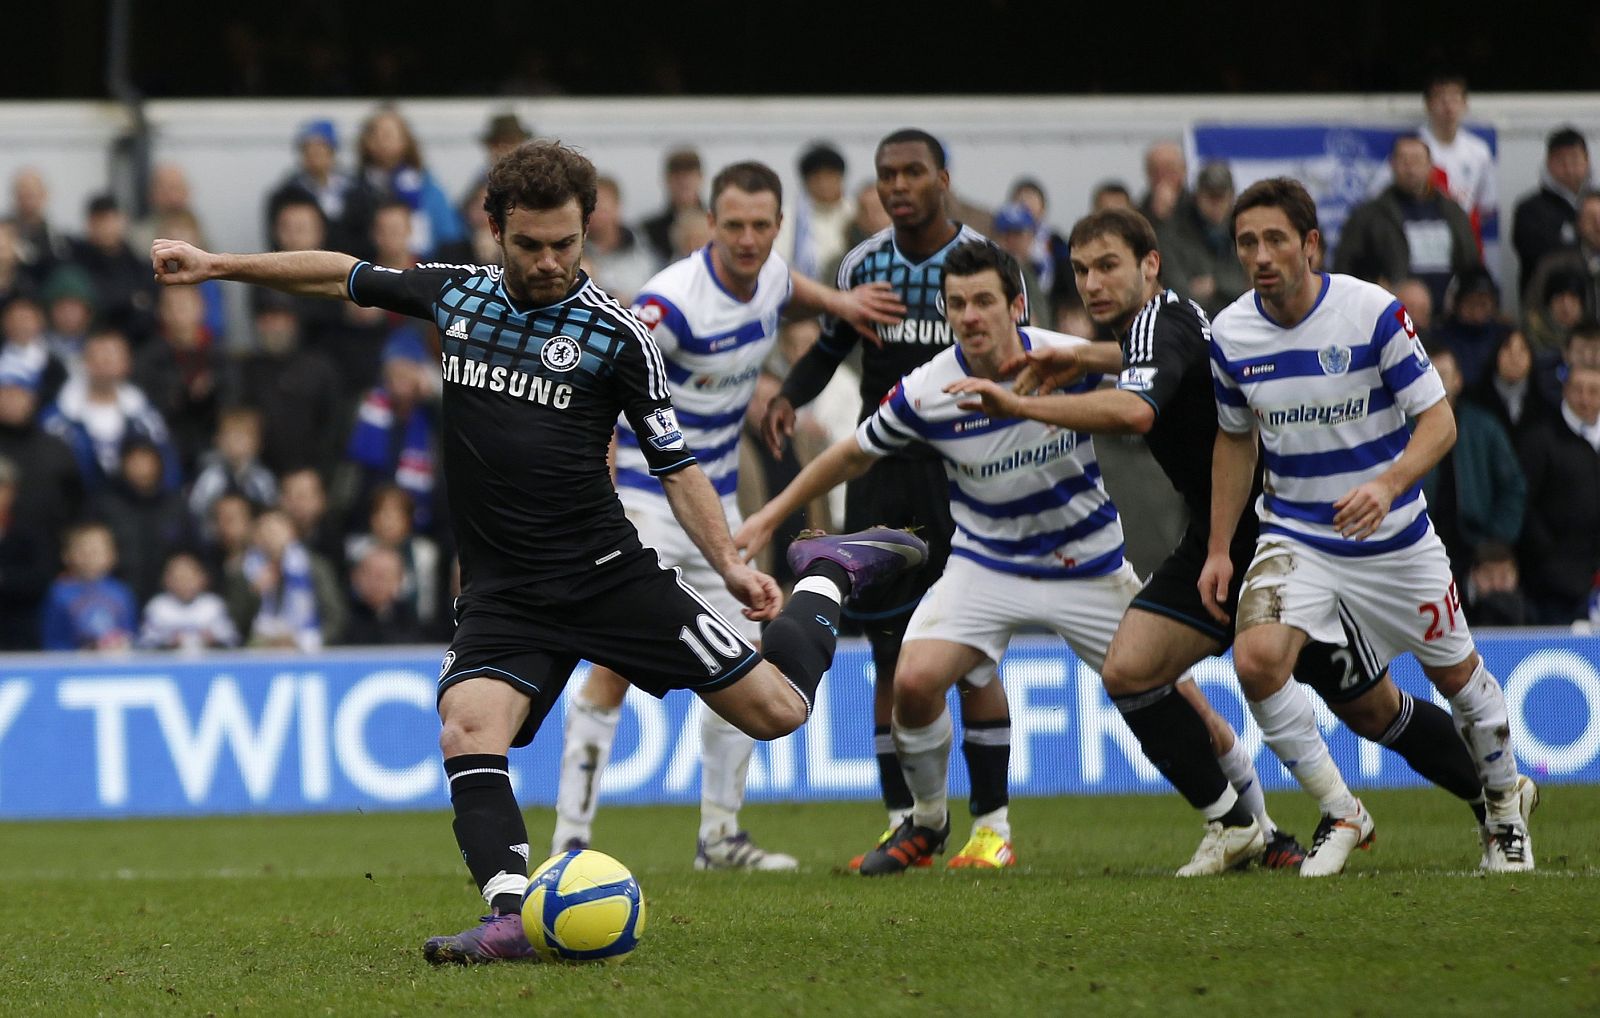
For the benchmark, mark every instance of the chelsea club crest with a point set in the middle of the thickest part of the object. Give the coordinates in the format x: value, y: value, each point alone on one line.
x: 560, y: 353
x: 1335, y: 359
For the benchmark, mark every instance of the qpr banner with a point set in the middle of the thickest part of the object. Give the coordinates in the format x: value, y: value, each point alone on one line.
x: 1342, y: 165
x: 236, y: 733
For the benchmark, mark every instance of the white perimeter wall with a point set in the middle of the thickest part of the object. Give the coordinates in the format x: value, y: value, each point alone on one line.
x: 235, y: 150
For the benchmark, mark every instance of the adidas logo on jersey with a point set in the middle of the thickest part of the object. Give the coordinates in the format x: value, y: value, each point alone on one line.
x: 458, y: 329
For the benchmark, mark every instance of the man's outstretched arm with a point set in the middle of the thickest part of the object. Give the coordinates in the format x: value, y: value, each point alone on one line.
x: 304, y: 273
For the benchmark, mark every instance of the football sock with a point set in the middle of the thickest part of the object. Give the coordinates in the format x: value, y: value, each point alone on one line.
x: 1480, y: 717
x: 584, y: 754
x: 1425, y: 738
x: 1174, y: 737
x: 724, y: 765
x: 885, y: 644
x: 986, y: 745
x: 1240, y: 771
x: 489, y: 827
x: 800, y: 641
x: 1290, y: 727
x: 925, y: 758
x: 998, y: 821
x: 896, y: 796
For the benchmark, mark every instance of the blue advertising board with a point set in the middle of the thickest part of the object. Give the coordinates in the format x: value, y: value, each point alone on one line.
x: 235, y: 733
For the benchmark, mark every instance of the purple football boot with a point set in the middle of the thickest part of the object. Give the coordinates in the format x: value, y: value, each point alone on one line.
x: 870, y: 556
x: 496, y: 938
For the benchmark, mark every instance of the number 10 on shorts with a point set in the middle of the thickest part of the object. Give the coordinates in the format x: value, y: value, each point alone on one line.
x: 1440, y: 614
x: 715, y: 632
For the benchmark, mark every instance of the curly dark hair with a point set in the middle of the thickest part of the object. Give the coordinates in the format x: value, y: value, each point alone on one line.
x: 540, y: 175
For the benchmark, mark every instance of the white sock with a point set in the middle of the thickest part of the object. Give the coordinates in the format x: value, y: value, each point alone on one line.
x: 1240, y: 771
x: 724, y: 765
x: 1480, y: 715
x: 818, y: 585
x: 925, y: 759
x: 584, y: 755
x: 999, y: 821
x: 1290, y: 728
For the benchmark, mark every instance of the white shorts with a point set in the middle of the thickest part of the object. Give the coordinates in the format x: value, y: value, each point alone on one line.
x: 982, y: 608
x: 1380, y: 605
x: 662, y: 532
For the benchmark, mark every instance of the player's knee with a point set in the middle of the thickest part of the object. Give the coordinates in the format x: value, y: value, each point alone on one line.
x: 461, y: 735
x: 920, y: 683
x: 1261, y: 669
x: 1122, y: 676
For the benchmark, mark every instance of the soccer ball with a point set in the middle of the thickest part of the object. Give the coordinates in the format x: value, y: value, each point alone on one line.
x: 583, y: 906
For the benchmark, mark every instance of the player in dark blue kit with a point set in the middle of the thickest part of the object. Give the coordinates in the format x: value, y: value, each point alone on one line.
x: 908, y: 489
x: 537, y: 363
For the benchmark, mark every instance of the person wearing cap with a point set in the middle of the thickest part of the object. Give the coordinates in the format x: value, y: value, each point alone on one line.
x: 1546, y: 219
x: 1015, y: 228
x: 69, y: 302
x: 1560, y: 309
x: 684, y: 179
x: 1411, y: 229
x: 346, y: 201
x: 1197, y: 256
x: 504, y: 132
x: 815, y: 227
x: 122, y: 281
x: 1472, y: 329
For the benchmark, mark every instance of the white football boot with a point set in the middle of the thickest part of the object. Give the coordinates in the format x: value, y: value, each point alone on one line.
x: 1507, y: 845
x: 1335, y: 839
x: 1225, y: 848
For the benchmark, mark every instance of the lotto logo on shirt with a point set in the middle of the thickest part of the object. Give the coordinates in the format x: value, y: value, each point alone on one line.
x: 650, y: 313
x: 663, y: 429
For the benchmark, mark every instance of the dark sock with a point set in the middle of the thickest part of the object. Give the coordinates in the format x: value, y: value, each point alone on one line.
x: 1174, y: 738
x: 987, y: 748
x: 897, y: 796
x: 488, y: 822
x: 800, y: 641
x: 1425, y: 738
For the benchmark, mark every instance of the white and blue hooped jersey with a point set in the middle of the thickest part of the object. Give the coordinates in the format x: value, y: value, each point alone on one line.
x: 1026, y: 497
x: 1331, y: 396
x: 714, y: 345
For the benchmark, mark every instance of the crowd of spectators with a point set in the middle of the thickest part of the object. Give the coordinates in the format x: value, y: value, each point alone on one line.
x: 158, y: 491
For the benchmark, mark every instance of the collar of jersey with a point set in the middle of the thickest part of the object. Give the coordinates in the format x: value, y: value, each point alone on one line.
x: 961, y: 358
x: 711, y: 270
x: 895, y: 244
x: 1327, y: 284
x: 577, y: 287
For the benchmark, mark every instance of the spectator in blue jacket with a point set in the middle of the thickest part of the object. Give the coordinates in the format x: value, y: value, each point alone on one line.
x: 391, y: 164
x: 100, y: 408
x: 87, y: 608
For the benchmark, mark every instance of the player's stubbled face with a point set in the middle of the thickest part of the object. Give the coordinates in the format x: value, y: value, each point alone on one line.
x: 1109, y: 279
x: 1273, y: 253
x: 541, y: 249
x: 911, y: 188
x: 979, y: 314
x: 743, y: 227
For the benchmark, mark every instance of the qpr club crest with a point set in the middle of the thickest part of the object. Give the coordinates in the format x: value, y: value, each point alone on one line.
x: 560, y: 353
x: 1335, y: 359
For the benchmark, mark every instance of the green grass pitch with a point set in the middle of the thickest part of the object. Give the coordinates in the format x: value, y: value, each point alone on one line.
x: 325, y: 915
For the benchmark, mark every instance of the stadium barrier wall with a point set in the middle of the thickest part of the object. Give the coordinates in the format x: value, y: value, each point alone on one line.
x: 243, y: 732
x: 235, y: 151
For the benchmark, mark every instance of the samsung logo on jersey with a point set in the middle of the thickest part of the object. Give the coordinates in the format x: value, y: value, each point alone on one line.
x: 544, y: 391
x: 1352, y: 409
x: 925, y: 332
x: 1062, y: 445
x: 714, y: 383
